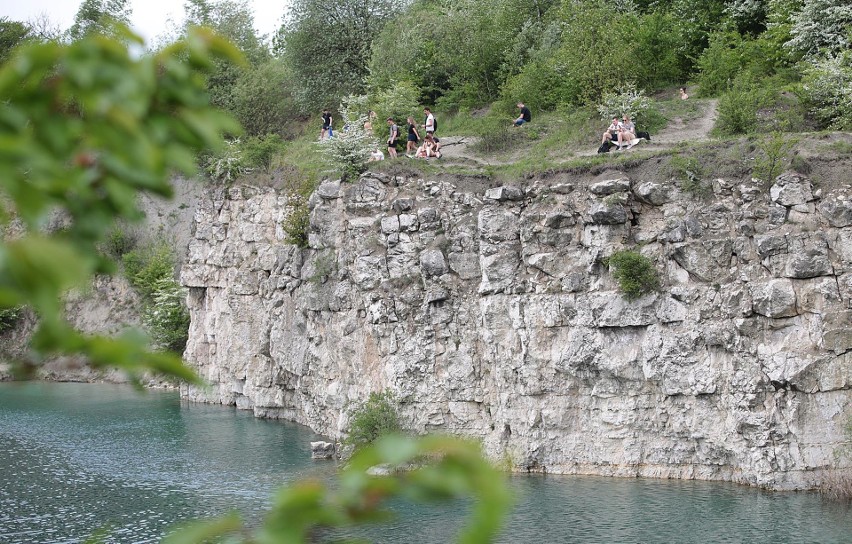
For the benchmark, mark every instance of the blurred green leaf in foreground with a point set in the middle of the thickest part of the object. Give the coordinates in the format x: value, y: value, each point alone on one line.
x: 84, y: 128
x: 425, y: 469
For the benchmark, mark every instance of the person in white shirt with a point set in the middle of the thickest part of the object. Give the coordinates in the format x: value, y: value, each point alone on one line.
x: 611, y: 132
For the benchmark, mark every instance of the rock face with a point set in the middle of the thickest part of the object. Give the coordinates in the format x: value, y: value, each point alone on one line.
x: 488, y: 312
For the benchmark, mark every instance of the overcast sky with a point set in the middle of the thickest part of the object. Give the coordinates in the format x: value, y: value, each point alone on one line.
x: 149, y: 16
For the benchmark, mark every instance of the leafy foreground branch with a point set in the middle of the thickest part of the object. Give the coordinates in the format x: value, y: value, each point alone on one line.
x: 307, y: 512
x: 84, y: 128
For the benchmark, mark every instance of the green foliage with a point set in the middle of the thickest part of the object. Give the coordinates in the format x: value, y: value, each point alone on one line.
x: 12, y: 34
x: 656, y: 61
x: 9, y: 318
x: 628, y: 100
x: 400, y: 101
x: 696, y: 20
x: 228, y: 83
x: 448, y: 468
x: 827, y: 90
x: 145, y: 266
x: 731, y: 56
x: 408, y: 47
x: 775, y: 155
x: 259, y: 151
x: 497, y: 135
x: 350, y: 147
x: 821, y: 26
x: 85, y: 127
x: 262, y: 99
x: 689, y: 172
x: 151, y: 271
x: 590, y: 63
x: 100, y: 17
x: 166, y: 316
x: 327, y: 44
x: 118, y: 241
x: 739, y: 106
x: 376, y: 418
x: 297, y: 222
x: 635, y: 273
x: 228, y: 164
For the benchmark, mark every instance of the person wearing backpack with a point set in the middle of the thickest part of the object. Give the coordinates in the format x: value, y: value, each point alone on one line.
x: 430, y: 125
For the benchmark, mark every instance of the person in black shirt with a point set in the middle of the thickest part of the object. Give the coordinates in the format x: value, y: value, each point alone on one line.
x: 525, y: 115
x: 413, y: 137
x: 326, y: 125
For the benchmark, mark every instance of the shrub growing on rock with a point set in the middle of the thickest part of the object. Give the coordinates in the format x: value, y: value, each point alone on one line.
x: 375, y: 418
x: 635, y: 273
x: 151, y: 269
x: 9, y: 318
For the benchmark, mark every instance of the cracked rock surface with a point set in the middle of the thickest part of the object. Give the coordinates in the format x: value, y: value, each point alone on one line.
x: 488, y: 312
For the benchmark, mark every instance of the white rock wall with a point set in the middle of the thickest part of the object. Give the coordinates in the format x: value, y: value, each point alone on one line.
x: 489, y: 312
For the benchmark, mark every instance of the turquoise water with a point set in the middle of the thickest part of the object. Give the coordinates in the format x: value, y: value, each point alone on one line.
x: 77, y: 458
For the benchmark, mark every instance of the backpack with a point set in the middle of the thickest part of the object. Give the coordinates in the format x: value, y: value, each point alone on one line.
x: 434, y: 123
x: 605, y: 147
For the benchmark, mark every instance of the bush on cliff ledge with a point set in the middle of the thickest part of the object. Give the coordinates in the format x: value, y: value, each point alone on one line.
x: 635, y: 273
x: 375, y: 418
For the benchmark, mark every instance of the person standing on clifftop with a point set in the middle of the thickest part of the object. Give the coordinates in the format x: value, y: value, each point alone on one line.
x: 326, y: 125
x: 393, y: 136
x: 429, y: 124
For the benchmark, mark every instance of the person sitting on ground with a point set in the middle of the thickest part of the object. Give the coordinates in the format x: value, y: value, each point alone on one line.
x: 524, y: 116
x: 626, y: 132
x: 376, y: 155
x: 393, y: 135
x: 434, y: 146
x: 424, y: 150
x: 683, y: 95
x: 611, y: 132
x: 413, y: 137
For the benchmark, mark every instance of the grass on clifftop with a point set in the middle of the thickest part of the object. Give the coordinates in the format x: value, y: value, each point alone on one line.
x: 483, y: 142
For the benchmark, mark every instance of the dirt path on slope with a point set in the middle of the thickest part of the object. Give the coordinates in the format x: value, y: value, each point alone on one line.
x: 455, y: 149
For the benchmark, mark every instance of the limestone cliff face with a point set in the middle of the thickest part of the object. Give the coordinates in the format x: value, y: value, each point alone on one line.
x: 489, y: 312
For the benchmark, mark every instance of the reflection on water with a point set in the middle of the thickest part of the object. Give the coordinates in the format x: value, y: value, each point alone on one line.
x: 76, y: 458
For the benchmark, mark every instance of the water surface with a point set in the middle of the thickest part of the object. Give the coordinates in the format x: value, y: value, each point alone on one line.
x: 76, y: 458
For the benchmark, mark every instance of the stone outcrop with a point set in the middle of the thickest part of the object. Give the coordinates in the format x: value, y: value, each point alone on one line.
x: 488, y: 311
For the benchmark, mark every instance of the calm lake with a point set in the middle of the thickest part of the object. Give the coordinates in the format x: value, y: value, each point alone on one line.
x: 78, y: 458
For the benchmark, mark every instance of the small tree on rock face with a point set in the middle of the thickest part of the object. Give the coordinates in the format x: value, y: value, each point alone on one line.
x: 375, y: 418
x: 351, y: 145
